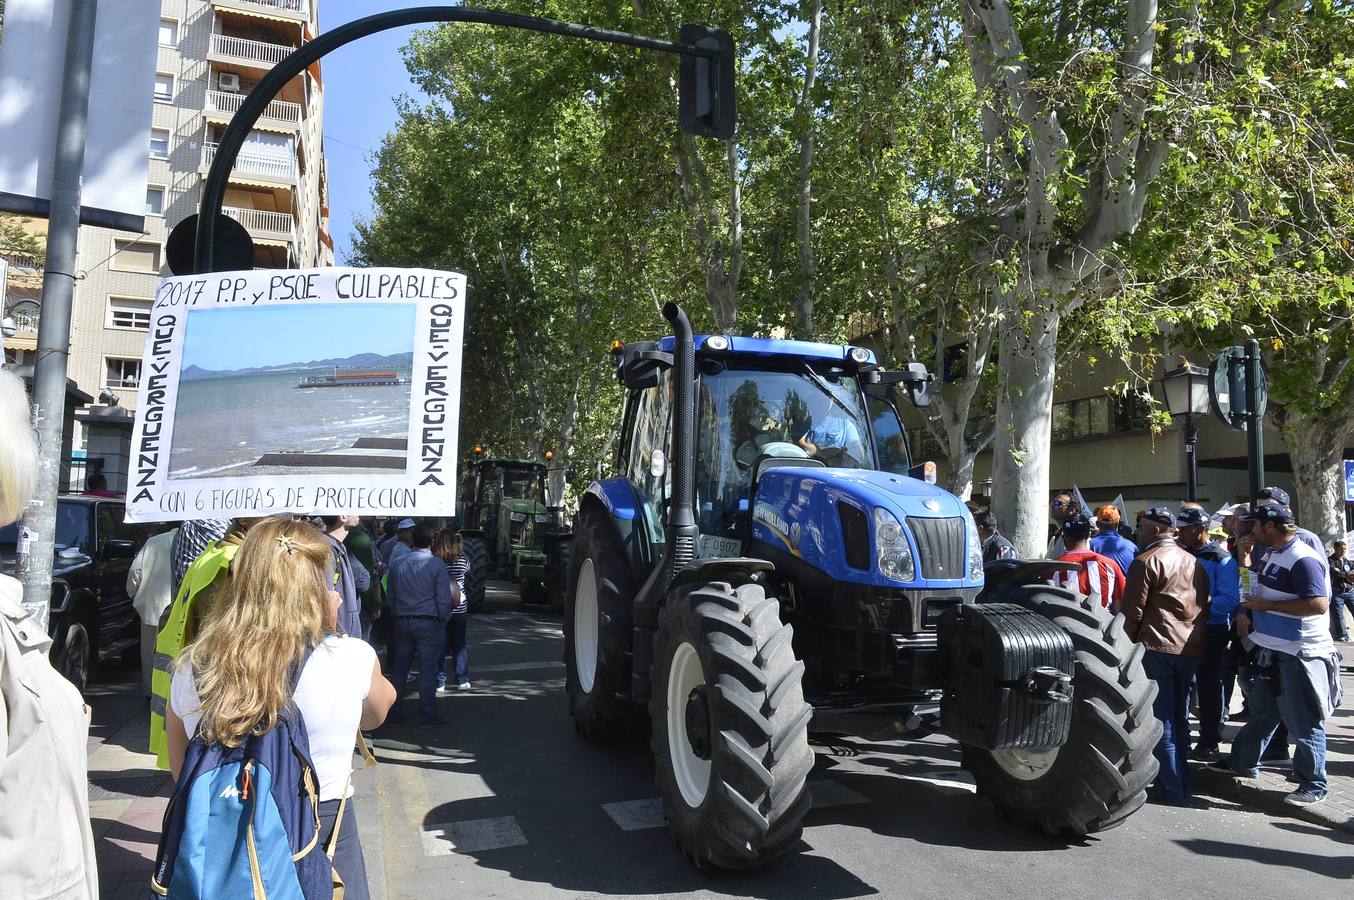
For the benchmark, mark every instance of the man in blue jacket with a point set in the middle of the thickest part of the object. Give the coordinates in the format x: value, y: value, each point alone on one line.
x: 1224, y: 585
x: 1108, y: 541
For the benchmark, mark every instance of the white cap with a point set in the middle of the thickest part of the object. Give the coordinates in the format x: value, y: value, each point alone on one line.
x: 404, y: 523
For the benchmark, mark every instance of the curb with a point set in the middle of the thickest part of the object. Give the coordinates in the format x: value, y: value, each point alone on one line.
x: 1266, y: 794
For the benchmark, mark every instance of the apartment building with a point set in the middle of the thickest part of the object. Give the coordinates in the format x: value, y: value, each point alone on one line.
x: 210, y: 54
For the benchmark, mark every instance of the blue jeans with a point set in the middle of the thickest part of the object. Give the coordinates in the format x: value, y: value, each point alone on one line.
x: 426, y: 637
x: 1212, y: 683
x: 1298, y: 707
x: 456, y: 646
x: 1338, y: 604
x: 1173, y: 675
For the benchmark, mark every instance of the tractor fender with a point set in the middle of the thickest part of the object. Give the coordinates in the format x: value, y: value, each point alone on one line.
x: 626, y: 512
x: 472, y: 532
x: 1002, y: 574
x: 735, y: 570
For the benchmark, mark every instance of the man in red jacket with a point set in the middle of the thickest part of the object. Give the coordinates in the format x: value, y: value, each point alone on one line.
x: 1099, y: 577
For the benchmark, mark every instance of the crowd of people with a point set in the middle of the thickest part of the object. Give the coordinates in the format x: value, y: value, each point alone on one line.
x: 1242, y: 596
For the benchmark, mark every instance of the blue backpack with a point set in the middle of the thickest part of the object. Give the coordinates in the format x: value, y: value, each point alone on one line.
x: 244, y: 821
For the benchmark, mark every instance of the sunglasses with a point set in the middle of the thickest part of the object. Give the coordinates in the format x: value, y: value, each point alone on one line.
x: 1060, y: 502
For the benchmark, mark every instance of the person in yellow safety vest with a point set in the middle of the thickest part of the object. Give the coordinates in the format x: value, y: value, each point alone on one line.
x: 190, y: 606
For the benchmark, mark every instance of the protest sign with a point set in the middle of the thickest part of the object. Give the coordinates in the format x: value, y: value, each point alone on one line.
x: 327, y: 391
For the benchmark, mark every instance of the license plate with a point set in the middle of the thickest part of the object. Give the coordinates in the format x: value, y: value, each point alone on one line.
x: 713, y: 546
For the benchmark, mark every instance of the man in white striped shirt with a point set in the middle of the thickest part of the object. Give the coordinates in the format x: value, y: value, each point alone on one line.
x: 1295, y: 674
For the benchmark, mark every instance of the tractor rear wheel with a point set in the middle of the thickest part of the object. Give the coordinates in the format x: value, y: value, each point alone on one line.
x: 598, y: 620
x: 730, y: 726
x: 477, y: 570
x: 1099, y: 776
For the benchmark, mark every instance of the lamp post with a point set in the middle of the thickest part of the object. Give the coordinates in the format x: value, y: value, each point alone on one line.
x: 1186, y: 392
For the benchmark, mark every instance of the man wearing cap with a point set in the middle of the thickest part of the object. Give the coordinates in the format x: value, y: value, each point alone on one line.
x: 401, y: 544
x: 1165, y: 609
x: 1097, y: 577
x: 1342, y: 590
x: 1059, y: 508
x: 1224, y: 588
x: 1295, y: 674
x: 1108, y: 541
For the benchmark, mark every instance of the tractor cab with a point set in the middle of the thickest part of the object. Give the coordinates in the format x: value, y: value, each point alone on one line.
x: 504, y: 501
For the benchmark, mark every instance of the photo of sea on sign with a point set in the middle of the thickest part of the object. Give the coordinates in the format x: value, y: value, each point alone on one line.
x: 294, y: 389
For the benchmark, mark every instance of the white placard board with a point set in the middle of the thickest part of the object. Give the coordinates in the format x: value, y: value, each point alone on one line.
x: 325, y: 391
x: 121, y: 96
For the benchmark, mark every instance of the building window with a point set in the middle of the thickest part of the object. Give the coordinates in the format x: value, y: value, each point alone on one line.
x: 134, y: 256
x: 121, y: 373
x: 164, y: 87
x: 169, y: 32
x: 1100, y: 416
x: 159, y: 143
x: 129, y: 312
x: 155, y: 200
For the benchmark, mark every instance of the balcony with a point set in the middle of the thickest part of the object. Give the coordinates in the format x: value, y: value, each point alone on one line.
x: 246, y: 52
x: 261, y: 223
x: 255, y: 168
x: 221, y: 106
x: 25, y: 320
x: 290, y: 10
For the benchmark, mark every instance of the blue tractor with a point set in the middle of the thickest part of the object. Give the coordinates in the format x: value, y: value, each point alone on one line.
x: 766, y: 558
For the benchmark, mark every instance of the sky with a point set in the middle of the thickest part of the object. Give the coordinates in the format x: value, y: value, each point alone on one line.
x: 248, y: 337
x: 361, y: 81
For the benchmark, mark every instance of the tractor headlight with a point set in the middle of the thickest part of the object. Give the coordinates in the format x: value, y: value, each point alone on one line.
x: 518, y: 516
x: 542, y: 518
x: 891, y: 547
x: 975, y: 552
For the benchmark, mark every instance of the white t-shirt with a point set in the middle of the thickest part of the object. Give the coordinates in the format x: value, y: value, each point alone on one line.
x: 335, y: 681
x: 1287, y: 574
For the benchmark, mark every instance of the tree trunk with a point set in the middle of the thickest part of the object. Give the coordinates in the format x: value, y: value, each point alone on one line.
x: 1316, y: 449
x: 803, y: 307
x: 959, y: 479
x: 1024, y: 429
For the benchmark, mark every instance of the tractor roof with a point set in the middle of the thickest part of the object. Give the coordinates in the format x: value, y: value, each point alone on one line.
x: 511, y: 463
x: 751, y: 346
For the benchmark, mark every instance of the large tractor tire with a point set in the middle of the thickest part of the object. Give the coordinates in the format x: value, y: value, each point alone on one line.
x: 1099, y: 776
x: 598, y: 621
x: 730, y: 726
x: 476, y: 572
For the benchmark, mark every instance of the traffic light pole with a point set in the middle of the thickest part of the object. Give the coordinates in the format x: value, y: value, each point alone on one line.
x: 1255, y: 423
x: 714, y: 110
x: 38, y: 536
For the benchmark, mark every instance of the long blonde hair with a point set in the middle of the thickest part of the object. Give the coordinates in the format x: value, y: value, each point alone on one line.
x: 18, y: 448
x: 274, y: 609
x: 447, y: 546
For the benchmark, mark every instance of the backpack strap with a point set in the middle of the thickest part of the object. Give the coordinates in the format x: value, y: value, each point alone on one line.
x: 343, y: 804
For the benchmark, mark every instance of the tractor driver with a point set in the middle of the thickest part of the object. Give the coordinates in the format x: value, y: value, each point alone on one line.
x: 834, y: 437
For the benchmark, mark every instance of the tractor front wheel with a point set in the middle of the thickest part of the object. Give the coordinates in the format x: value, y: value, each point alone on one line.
x: 477, y: 570
x: 1099, y: 776
x: 730, y: 726
x: 598, y: 619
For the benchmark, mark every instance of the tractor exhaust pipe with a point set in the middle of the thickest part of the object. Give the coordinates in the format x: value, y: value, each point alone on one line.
x: 682, y: 532
x: 679, y: 546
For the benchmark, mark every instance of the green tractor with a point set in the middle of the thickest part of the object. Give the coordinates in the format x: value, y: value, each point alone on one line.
x: 508, y: 530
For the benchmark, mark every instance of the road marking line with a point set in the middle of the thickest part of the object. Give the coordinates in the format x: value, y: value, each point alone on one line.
x: 961, y: 781
x: 472, y: 836
x: 829, y: 793
x: 514, y: 667
x: 636, y: 815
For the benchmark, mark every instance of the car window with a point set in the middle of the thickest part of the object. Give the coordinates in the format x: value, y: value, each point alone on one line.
x: 111, y: 526
x: 72, y: 527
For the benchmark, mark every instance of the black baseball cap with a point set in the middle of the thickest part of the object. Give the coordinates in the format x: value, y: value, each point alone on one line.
x: 1192, y: 516
x: 1279, y: 515
x: 1277, y: 494
x: 1076, y: 523
x: 1162, y: 515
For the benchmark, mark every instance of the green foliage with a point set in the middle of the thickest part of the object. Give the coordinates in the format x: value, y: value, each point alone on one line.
x: 14, y: 238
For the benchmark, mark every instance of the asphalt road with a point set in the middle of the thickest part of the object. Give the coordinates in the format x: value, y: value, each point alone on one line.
x: 509, y: 802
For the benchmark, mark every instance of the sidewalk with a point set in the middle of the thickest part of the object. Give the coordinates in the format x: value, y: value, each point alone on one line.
x: 1267, y: 791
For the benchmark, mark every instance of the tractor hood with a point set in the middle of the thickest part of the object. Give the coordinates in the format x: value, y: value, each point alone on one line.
x: 826, y: 518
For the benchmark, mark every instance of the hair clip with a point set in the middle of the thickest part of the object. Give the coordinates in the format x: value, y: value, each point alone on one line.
x: 285, y: 542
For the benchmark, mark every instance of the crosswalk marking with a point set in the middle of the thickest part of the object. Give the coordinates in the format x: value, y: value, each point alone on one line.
x: 830, y: 793
x: 472, y: 836
x: 518, y: 666
x: 636, y: 815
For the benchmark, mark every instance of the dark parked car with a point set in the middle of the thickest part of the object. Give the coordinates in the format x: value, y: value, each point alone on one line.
x: 92, y: 617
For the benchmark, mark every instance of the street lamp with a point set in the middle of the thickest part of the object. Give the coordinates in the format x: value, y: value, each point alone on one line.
x: 1186, y: 392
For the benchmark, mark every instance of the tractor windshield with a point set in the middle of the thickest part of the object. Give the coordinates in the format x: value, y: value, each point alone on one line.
x: 522, y: 484
x: 806, y: 412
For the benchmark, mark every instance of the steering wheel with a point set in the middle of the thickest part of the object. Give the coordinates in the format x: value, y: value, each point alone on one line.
x: 749, y: 450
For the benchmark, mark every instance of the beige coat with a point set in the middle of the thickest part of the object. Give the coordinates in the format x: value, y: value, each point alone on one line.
x: 46, y: 843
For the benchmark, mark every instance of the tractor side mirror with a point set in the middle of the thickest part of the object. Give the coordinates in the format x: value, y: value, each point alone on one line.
x: 641, y: 365
x: 914, y: 378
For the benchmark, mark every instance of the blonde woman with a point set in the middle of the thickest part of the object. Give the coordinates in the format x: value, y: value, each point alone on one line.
x: 44, y: 725
x: 234, y: 679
